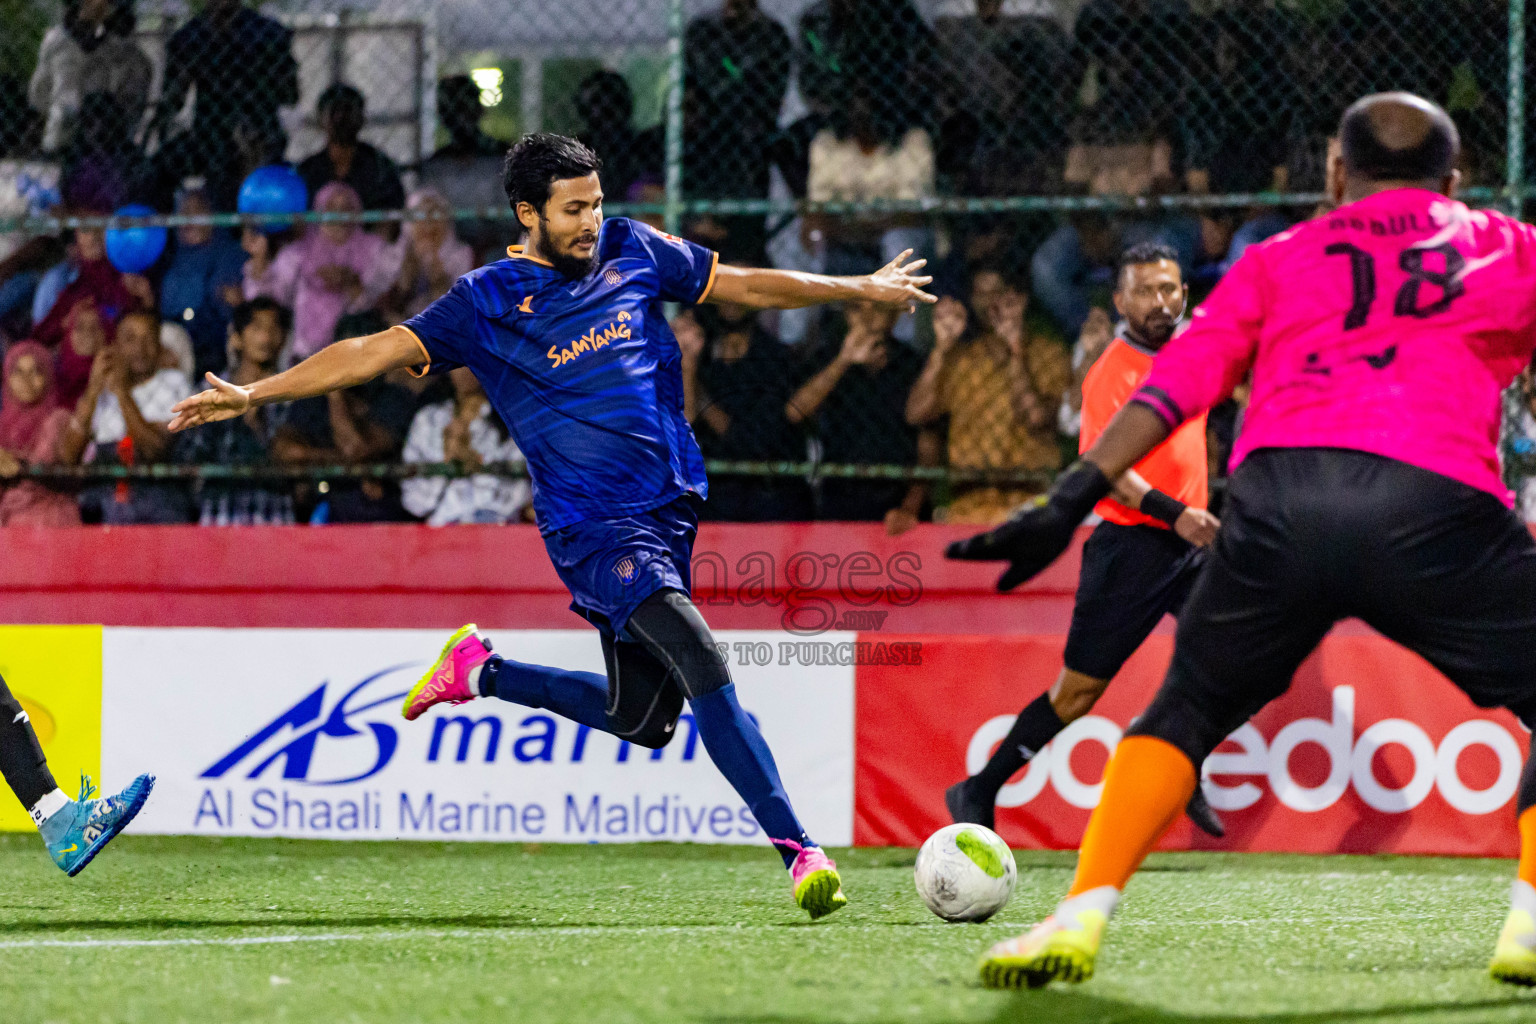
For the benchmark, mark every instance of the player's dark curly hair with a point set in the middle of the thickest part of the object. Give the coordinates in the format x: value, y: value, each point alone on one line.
x: 538, y: 161
x: 1144, y: 252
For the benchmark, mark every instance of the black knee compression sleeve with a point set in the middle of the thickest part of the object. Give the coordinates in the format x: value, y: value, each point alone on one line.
x: 673, y: 631
x: 21, y: 756
x: 643, y: 698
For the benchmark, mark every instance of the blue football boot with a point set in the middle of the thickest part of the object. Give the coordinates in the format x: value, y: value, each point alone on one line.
x: 91, y: 823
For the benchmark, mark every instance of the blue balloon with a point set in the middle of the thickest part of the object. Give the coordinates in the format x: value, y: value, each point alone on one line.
x: 276, y: 188
x: 135, y: 250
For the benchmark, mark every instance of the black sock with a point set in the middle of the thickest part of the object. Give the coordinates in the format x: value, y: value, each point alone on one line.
x: 1036, y: 725
x: 21, y: 756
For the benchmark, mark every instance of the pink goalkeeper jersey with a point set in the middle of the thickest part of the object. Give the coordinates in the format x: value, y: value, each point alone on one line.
x: 1388, y: 326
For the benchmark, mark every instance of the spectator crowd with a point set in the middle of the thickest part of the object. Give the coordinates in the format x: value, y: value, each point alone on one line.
x: 863, y: 101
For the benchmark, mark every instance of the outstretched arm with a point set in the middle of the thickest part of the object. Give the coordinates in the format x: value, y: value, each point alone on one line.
x: 896, y: 284
x: 342, y: 365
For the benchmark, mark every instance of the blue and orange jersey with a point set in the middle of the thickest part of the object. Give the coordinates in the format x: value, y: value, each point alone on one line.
x: 585, y: 373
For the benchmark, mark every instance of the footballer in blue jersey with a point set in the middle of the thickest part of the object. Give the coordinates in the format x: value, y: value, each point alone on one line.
x: 568, y: 337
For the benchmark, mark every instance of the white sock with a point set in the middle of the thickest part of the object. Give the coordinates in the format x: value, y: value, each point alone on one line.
x: 48, y: 806
x: 474, y: 679
x: 1104, y: 899
x: 1523, y: 897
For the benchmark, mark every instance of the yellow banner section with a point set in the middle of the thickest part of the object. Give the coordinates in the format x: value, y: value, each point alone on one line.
x: 55, y: 671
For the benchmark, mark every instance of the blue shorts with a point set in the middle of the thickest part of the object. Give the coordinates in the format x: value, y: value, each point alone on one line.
x: 612, y: 565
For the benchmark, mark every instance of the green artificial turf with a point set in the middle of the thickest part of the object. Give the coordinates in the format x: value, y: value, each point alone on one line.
x: 391, y: 932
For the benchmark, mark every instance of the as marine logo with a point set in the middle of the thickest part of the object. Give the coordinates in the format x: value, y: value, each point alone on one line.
x: 624, y: 569
x: 589, y: 342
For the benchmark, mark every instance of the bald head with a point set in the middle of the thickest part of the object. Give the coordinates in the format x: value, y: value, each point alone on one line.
x: 1399, y: 137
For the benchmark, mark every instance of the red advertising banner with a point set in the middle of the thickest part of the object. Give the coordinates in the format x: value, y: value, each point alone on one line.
x: 1370, y: 751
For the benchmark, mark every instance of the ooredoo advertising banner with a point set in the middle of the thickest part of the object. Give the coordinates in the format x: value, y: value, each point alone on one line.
x: 293, y: 732
x: 1369, y: 751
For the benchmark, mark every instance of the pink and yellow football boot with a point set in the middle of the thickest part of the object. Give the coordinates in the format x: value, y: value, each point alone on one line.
x: 817, y: 886
x: 448, y: 680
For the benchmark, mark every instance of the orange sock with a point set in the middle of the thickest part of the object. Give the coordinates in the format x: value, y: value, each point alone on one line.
x: 1527, y: 823
x: 1146, y: 785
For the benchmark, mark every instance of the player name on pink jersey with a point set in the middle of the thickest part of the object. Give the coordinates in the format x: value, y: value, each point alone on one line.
x: 1390, y: 326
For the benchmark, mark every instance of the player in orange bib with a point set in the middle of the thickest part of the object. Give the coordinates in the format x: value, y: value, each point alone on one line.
x: 1141, y: 561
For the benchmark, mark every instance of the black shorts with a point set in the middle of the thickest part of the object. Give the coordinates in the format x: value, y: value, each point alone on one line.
x: 1314, y: 535
x: 1131, y: 577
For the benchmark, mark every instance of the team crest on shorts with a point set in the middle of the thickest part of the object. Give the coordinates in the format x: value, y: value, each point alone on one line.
x: 613, y: 277
x: 624, y: 569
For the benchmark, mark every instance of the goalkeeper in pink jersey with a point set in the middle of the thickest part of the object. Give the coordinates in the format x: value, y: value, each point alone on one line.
x: 1379, y: 337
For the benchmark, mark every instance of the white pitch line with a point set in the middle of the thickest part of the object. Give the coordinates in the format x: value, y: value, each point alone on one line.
x: 588, y: 929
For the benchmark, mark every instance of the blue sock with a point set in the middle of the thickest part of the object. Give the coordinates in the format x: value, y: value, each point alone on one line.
x: 580, y: 696
x: 740, y: 752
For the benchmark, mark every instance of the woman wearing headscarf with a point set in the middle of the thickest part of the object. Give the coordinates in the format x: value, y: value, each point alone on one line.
x: 86, y: 273
x: 31, y: 421
x: 334, y: 269
x: 85, y: 334
x: 430, y: 254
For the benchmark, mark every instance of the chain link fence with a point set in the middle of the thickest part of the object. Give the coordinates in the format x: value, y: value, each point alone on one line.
x: 1020, y: 145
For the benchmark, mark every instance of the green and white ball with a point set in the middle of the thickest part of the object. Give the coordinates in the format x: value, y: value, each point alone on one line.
x: 965, y: 873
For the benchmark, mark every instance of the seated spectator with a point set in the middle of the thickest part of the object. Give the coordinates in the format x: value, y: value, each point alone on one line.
x: 737, y: 380
x: 1081, y: 254
x: 92, y: 51
x: 855, y: 401
x: 332, y: 269
x: 239, y: 68
x: 86, y: 334
x: 176, y: 350
x: 465, y: 430
x: 606, y: 106
x: 86, y: 273
x: 103, y: 167
x: 202, y: 282
x: 1014, y: 79
x: 31, y: 423
x: 1001, y: 391
x: 863, y: 157
x: 737, y: 68
x: 467, y: 169
x: 258, y: 332
x: 431, y: 257
x: 20, y: 273
x: 881, y: 48
x: 121, y: 419
x: 1517, y: 442
x: 372, y: 176
x: 360, y: 425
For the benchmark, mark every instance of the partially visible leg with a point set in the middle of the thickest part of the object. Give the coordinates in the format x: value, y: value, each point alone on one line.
x: 74, y: 830
x: 22, y: 761
x: 1514, y: 955
x: 674, y: 633
x: 1254, y: 615
x: 1131, y: 577
x: 633, y: 701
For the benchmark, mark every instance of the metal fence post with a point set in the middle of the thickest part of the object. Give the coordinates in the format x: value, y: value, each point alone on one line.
x: 1514, y: 173
x: 674, y: 182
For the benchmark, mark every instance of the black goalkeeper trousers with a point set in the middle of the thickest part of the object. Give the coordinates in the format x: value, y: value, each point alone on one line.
x: 1310, y: 536
x: 21, y: 756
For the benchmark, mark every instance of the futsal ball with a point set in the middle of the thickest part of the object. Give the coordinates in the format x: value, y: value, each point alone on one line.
x: 965, y: 873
